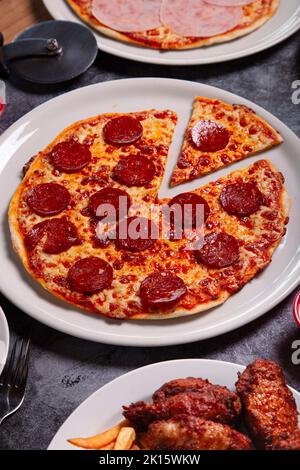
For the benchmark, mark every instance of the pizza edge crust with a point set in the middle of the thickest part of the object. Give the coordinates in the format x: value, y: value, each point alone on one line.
x: 218, y: 39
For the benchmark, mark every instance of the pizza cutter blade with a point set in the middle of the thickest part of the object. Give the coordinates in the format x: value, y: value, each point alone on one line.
x: 51, y: 52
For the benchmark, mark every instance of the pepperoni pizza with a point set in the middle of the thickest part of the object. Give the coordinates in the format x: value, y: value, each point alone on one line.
x: 118, y: 161
x: 220, y: 134
x: 175, y: 24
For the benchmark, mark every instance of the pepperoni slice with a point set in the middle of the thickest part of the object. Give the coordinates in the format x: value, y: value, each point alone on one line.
x: 90, y: 275
x: 242, y: 198
x: 219, y: 251
x: 189, y: 203
x: 59, y: 235
x: 208, y: 136
x: 118, y: 198
x: 70, y: 156
x: 134, y: 170
x: 122, y: 130
x: 162, y: 291
x: 48, y: 199
x: 136, y: 234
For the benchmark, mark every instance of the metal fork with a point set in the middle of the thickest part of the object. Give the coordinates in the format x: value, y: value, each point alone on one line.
x: 14, y: 379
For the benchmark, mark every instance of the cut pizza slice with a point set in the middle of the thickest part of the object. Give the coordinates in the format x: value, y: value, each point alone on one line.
x: 220, y: 134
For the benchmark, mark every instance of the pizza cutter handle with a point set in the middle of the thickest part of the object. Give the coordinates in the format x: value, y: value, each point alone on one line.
x: 26, y: 48
x: 31, y: 47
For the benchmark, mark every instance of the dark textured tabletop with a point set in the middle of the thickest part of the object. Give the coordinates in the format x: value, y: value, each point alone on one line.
x: 65, y: 370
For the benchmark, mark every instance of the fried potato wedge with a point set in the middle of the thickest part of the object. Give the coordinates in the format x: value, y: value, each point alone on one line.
x: 109, y: 446
x: 125, y: 439
x: 100, y: 440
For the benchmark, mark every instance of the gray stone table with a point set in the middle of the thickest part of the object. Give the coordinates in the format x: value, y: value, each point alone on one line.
x: 65, y: 370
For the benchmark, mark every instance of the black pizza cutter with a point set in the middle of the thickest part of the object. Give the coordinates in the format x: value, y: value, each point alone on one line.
x: 49, y: 52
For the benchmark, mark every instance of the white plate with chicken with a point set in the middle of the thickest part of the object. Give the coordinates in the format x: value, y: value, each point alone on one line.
x: 217, y: 403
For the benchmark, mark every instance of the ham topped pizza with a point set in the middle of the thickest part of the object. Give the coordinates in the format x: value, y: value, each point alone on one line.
x: 175, y: 24
x: 88, y: 225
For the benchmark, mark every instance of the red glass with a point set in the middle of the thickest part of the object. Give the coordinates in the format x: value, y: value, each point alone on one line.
x: 2, y: 97
x: 296, y: 309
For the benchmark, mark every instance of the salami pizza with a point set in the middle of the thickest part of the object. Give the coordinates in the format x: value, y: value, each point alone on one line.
x: 219, y: 134
x: 132, y: 268
x: 175, y: 24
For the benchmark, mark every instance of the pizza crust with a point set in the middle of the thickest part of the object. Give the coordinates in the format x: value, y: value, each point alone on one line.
x: 167, y: 40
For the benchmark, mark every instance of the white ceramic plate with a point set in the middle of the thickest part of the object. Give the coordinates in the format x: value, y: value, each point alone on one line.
x: 38, y: 128
x: 103, y: 409
x: 4, y: 339
x: 281, y: 26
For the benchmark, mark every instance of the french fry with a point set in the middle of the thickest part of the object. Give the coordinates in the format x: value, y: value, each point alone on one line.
x: 109, y: 446
x: 100, y: 440
x: 125, y: 439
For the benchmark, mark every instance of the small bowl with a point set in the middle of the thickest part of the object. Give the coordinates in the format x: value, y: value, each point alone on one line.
x: 296, y: 309
x: 4, y: 339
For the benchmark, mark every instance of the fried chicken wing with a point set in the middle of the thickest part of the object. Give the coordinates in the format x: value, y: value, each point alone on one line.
x: 270, y: 408
x: 174, y: 387
x: 292, y: 443
x: 191, y: 433
x: 194, y: 397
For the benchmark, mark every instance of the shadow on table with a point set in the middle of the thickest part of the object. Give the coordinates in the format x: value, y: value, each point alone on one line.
x: 111, y: 66
x: 260, y: 338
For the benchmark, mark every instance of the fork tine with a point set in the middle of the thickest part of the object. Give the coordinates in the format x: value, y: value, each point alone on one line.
x: 13, y: 382
x: 21, y: 383
x: 19, y: 364
x: 9, y: 369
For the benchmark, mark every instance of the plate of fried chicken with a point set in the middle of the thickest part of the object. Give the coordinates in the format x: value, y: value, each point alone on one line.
x: 190, y: 404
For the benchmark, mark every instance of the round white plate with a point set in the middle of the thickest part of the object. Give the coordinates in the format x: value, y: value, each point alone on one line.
x: 103, y: 409
x: 4, y: 339
x: 38, y: 128
x: 285, y: 22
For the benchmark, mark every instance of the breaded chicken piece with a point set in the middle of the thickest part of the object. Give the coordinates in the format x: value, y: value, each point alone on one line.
x: 191, y: 433
x: 270, y: 408
x: 191, y: 396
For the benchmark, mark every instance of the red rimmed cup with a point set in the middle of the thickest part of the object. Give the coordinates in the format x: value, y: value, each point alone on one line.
x: 2, y: 97
x: 296, y: 309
